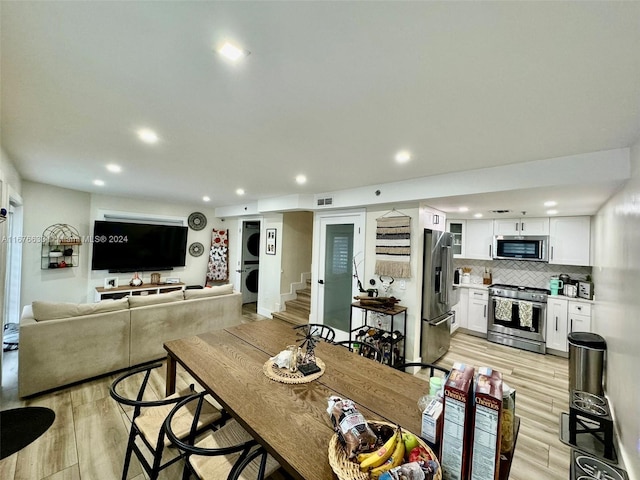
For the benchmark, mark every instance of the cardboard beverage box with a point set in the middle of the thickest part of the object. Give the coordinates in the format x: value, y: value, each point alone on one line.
x: 456, y: 430
x: 487, y: 433
x: 432, y: 424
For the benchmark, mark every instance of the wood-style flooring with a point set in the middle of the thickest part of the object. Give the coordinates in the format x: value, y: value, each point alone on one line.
x: 88, y: 438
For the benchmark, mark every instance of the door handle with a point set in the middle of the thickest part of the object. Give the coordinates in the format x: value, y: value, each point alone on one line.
x: 321, y: 282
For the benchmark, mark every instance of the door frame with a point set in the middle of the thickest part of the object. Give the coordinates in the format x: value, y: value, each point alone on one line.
x: 237, y: 284
x: 356, y: 217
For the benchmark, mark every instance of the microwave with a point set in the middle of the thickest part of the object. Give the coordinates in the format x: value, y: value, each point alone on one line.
x: 511, y: 247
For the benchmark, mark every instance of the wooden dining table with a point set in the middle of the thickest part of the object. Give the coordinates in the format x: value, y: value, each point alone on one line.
x: 291, y: 420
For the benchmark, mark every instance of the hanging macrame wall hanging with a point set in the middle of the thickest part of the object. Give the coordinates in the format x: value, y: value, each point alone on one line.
x: 393, y: 246
x: 218, y: 269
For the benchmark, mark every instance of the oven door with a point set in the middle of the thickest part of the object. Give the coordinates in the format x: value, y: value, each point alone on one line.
x: 518, y: 318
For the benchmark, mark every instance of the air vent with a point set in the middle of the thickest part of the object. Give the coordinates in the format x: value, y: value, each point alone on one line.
x: 325, y: 201
x: 500, y: 211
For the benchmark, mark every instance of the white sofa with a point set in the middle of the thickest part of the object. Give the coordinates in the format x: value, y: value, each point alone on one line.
x: 63, y: 343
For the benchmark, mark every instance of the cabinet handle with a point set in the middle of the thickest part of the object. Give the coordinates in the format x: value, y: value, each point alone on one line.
x: 572, y: 324
x: 522, y: 229
x: 579, y: 308
x: 485, y: 310
x: 517, y: 226
x: 552, y: 253
x: 490, y: 251
x: 556, y: 323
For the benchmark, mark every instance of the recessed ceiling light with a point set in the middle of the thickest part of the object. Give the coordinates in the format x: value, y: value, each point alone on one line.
x: 206, y: 199
x: 552, y: 212
x: 99, y: 183
x: 550, y: 203
x: 113, y: 168
x: 147, y: 135
x: 463, y: 209
x: 232, y: 52
x: 403, y: 156
x: 240, y: 191
x: 477, y: 215
x: 301, y: 179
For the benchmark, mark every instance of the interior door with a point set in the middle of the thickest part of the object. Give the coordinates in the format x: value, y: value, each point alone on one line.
x: 341, y: 239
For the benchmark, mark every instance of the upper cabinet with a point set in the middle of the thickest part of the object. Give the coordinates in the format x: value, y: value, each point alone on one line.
x: 478, y: 239
x: 432, y: 219
x: 457, y: 227
x: 521, y: 226
x: 569, y: 240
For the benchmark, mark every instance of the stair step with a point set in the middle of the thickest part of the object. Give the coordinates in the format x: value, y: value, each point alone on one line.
x: 290, y: 318
x: 302, y: 307
x: 304, y: 293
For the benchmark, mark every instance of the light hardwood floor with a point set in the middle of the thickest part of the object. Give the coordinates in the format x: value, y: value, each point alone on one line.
x: 88, y: 438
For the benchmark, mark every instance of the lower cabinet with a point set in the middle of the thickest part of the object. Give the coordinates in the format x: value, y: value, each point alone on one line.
x: 462, y: 309
x: 478, y: 310
x: 563, y: 317
x: 557, y: 323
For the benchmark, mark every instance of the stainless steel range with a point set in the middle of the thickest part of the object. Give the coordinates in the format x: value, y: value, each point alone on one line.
x: 517, y: 316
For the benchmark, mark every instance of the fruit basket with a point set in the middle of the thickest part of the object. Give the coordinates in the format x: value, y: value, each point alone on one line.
x: 346, y: 469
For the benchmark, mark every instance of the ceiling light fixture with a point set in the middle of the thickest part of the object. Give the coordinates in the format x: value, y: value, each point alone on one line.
x: 240, y: 191
x: 403, y: 156
x: 113, y: 168
x: 477, y: 215
x: 206, y: 199
x: 463, y: 209
x: 301, y: 179
x: 147, y: 135
x: 232, y: 52
x: 550, y: 203
x: 99, y: 183
x: 552, y: 212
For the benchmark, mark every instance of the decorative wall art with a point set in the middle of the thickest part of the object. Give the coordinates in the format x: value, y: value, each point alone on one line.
x: 111, y: 282
x: 271, y: 241
x: 218, y: 268
x: 197, y: 221
x: 393, y: 246
x: 196, y: 249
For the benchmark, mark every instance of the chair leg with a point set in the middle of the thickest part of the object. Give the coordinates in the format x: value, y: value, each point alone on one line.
x: 127, y: 456
x: 157, y: 458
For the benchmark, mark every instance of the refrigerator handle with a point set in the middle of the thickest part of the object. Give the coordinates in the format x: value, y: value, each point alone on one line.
x: 446, y: 285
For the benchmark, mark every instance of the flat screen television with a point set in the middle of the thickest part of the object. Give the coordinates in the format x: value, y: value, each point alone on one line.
x: 131, y: 247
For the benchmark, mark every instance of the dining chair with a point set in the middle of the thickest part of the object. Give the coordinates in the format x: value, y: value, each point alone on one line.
x: 364, y: 349
x: 228, y: 453
x: 147, y: 421
x: 323, y: 331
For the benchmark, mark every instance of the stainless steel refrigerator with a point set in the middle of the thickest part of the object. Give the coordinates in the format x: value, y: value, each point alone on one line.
x: 438, y: 295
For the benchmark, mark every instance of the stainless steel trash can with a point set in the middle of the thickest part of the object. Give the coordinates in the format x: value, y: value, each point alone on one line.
x: 586, y: 362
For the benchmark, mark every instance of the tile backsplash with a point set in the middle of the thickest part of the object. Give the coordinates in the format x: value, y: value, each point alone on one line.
x: 520, y: 272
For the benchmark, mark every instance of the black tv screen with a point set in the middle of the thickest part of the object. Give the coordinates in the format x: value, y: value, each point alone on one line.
x: 130, y: 247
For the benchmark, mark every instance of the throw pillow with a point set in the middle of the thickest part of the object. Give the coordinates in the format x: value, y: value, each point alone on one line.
x: 142, y: 300
x: 209, y: 291
x: 56, y: 310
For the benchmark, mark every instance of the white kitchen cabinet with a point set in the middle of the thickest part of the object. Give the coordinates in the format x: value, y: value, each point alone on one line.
x: 462, y: 309
x: 569, y: 240
x: 478, y: 306
x: 557, y: 316
x: 432, y: 218
x: 478, y: 239
x: 457, y: 228
x: 521, y: 226
x: 579, y: 317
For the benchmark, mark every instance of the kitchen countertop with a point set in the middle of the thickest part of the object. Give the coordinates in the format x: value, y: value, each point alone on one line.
x: 480, y: 286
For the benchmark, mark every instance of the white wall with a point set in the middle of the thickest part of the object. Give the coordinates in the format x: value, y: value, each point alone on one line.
x: 297, y: 238
x: 270, y: 267
x: 616, y: 314
x: 45, y: 205
x: 411, y: 295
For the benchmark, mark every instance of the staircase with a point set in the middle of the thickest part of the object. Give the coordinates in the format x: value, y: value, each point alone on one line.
x: 297, y: 311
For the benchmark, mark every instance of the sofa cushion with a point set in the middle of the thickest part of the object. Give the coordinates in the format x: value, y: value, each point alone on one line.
x: 209, y: 291
x: 55, y: 310
x: 142, y: 300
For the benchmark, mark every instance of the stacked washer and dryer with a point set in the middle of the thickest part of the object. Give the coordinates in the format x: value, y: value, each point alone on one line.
x: 250, y: 261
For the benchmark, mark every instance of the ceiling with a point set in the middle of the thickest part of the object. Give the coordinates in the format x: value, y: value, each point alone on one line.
x: 331, y: 90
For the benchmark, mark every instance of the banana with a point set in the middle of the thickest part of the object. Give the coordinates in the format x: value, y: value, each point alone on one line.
x: 363, y: 456
x: 382, y: 454
x: 396, y: 459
